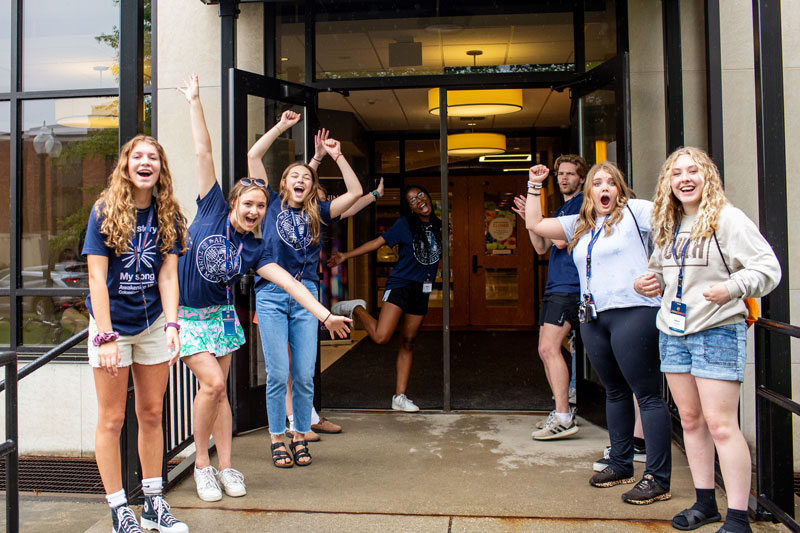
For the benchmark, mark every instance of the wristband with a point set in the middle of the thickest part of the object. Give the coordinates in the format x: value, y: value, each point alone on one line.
x: 102, y: 338
x: 172, y: 325
x: 314, y: 157
x: 534, y: 193
x: 327, y: 317
x: 375, y: 194
x: 534, y: 185
x: 335, y: 159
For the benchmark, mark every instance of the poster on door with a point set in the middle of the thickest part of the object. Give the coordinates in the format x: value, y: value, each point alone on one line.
x: 500, y: 229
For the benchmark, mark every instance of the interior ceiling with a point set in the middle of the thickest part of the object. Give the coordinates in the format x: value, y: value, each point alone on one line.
x: 407, y: 110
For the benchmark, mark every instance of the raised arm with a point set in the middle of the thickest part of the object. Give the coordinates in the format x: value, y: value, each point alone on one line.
x: 206, y: 178
x: 364, y: 201
x: 540, y: 244
x: 549, y: 228
x: 369, y: 246
x: 255, y: 156
x: 354, y: 191
x: 319, y: 148
x: 276, y: 274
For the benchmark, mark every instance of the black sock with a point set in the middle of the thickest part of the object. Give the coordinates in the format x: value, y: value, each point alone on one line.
x: 638, y: 442
x: 737, y: 521
x: 706, y: 503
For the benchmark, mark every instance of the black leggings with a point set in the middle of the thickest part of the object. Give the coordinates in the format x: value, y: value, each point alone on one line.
x: 622, y: 345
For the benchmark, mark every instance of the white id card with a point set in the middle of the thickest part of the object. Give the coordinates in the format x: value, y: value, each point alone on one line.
x: 677, y: 317
x: 427, y: 287
x: 386, y: 294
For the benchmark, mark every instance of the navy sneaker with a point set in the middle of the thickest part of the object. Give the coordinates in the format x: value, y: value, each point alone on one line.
x: 156, y: 515
x: 123, y: 520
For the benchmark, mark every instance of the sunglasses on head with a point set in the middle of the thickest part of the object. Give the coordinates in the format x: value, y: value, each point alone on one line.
x: 253, y: 181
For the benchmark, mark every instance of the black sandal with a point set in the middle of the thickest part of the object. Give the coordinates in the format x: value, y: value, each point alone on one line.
x: 279, y: 454
x: 694, y: 519
x: 302, y: 453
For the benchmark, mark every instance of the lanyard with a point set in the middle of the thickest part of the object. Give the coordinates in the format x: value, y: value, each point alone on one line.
x: 595, y: 236
x: 299, y: 234
x: 230, y: 262
x: 679, y: 293
x: 138, y: 252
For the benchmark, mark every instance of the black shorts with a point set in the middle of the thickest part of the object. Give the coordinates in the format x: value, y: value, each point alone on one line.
x: 558, y: 307
x: 409, y: 298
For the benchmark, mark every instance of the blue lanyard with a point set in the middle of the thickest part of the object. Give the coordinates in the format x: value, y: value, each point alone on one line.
x: 679, y: 293
x: 299, y: 234
x: 230, y: 262
x: 138, y: 252
x: 595, y: 236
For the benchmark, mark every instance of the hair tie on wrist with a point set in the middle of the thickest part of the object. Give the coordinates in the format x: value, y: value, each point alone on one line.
x: 335, y: 159
x: 327, y: 317
x: 315, y: 159
x: 534, y: 193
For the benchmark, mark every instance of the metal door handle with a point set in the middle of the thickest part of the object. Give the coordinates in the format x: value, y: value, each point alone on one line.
x: 475, y: 265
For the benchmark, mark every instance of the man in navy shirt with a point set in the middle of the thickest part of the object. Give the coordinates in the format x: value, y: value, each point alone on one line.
x: 559, y: 310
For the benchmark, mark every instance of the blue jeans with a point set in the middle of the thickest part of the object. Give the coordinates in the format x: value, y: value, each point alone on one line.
x: 282, y: 321
x: 714, y: 353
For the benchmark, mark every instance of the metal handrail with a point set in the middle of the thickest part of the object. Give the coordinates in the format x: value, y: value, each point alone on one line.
x: 10, y: 448
x: 48, y: 356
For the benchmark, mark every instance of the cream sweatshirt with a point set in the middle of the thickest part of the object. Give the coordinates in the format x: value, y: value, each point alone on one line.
x: 755, y: 271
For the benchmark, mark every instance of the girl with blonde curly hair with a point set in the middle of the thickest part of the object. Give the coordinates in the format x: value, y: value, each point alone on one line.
x: 607, y: 241
x: 293, y: 226
x: 709, y: 256
x: 136, y: 232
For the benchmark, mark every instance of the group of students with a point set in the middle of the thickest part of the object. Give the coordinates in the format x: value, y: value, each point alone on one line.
x: 160, y: 289
x: 676, y: 309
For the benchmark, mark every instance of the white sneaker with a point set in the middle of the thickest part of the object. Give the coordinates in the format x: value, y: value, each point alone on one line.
x: 572, y: 410
x: 555, y: 429
x: 232, y: 482
x: 207, y: 486
x: 573, y: 396
x: 346, y: 307
x: 402, y: 403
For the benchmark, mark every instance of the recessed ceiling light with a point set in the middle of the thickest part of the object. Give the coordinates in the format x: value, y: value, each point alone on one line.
x: 516, y: 148
x: 284, y: 59
x: 472, y: 123
x: 420, y: 151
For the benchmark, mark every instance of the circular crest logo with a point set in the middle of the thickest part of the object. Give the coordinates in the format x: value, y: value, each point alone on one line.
x: 293, y: 229
x: 211, y: 258
x: 427, y: 255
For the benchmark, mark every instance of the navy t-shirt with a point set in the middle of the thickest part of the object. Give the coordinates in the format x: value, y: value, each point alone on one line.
x: 202, y: 270
x: 128, y: 277
x: 417, y: 263
x: 562, y: 276
x: 288, y: 234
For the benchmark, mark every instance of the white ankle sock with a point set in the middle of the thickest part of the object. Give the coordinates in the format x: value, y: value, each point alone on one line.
x: 314, y: 416
x: 291, y: 422
x: 152, y: 486
x: 117, y: 499
x: 564, y: 418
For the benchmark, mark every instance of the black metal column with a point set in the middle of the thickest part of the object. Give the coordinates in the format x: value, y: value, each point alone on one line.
x: 15, y: 175
x: 311, y: 42
x: 131, y: 69
x: 579, y: 36
x: 774, y: 426
x: 445, y: 184
x: 673, y: 75
x: 714, y: 85
x: 227, y: 17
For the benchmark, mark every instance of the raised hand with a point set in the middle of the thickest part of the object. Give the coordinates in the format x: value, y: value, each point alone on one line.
x: 647, y: 285
x: 192, y: 87
x: 337, y: 258
x: 319, y: 144
x: 333, y: 147
x: 380, y: 188
x: 288, y: 119
x: 538, y: 173
x: 519, y: 206
x: 338, y: 325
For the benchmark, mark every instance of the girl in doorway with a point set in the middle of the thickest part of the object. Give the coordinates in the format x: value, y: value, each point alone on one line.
x: 419, y: 233
x: 607, y: 241
x: 293, y: 226
x: 223, y: 249
x: 709, y: 256
x: 135, y: 233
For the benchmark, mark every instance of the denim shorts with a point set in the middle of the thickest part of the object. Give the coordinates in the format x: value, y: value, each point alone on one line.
x: 715, y: 353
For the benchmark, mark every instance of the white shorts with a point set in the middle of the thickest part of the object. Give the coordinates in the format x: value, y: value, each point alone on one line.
x: 143, y: 348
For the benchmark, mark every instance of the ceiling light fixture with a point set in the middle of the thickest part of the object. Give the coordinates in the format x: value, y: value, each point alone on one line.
x: 476, y: 143
x: 505, y: 158
x: 516, y: 169
x: 477, y: 102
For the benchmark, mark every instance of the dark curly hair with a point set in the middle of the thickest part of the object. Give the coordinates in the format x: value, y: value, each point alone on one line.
x: 414, y: 221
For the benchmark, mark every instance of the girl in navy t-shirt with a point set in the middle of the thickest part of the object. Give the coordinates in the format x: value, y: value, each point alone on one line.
x: 419, y: 234
x: 223, y: 248
x: 135, y: 233
x: 293, y: 228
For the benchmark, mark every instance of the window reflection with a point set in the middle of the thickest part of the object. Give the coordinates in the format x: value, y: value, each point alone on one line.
x: 291, y: 43
x: 5, y: 183
x: 600, y: 26
x: 5, y: 325
x: 50, y: 320
x: 5, y: 46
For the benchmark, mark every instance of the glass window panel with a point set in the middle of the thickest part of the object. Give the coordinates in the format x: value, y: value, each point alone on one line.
x: 5, y: 182
x: 5, y: 47
x: 68, y: 150
x: 600, y: 26
x: 521, y: 42
x: 263, y: 114
x: 50, y: 320
x: 599, y: 121
x: 502, y: 287
x: 387, y: 157
x: 422, y: 154
x: 69, y: 48
x: 500, y: 224
x: 5, y: 314
x: 290, y: 65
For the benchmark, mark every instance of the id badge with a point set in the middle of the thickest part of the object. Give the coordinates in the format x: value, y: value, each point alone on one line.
x: 677, y: 317
x: 229, y: 323
x: 427, y: 287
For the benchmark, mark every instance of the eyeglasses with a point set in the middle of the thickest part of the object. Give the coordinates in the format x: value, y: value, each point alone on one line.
x: 253, y: 181
x: 414, y: 199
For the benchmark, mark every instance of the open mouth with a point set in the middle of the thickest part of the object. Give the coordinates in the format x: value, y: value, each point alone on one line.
x: 299, y: 191
x: 687, y: 189
x: 605, y: 201
x: 251, y: 220
x: 144, y: 172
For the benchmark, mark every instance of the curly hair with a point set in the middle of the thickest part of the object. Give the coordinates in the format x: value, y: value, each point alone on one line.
x: 588, y: 216
x: 310, y: 207
x: 118, y: 211
x: 414, y: 221
x: 668, y: 210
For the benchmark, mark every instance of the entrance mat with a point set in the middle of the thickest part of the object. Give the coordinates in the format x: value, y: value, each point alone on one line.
x: 490, y: 370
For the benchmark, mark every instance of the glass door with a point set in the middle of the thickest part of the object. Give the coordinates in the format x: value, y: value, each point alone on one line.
x: 256, y: 105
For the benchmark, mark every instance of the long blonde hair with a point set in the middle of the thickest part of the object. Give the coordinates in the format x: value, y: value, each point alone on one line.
x: 588, y: 217
x: 668, y: 210
x: 117, y: 208
x: 310, y: 207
